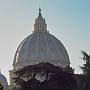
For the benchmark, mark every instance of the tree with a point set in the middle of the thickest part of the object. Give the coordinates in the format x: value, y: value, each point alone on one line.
x: 54, y: 78
x: 86, y: 69
x: 1, y: 86
x: 86, y: 66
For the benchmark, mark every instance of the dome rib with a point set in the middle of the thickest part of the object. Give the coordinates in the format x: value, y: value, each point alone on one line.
x: 45, y: 38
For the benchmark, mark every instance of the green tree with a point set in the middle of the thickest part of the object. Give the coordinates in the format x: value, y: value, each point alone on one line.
x: 86, y: 69
x: 55, y: 78
x: 1, y: 86
x: 86, y: 66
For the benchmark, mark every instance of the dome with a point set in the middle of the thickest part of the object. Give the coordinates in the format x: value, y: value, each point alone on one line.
x: 41, y: 46
x: 3, y: 81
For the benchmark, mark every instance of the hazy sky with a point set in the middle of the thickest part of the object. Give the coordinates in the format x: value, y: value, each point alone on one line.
x: 68, y: 20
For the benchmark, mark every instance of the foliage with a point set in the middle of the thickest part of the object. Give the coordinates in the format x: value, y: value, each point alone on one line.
x: 86, y: 66
x: 1, y: 86
x: 54, y: 78
x: 86, y: 69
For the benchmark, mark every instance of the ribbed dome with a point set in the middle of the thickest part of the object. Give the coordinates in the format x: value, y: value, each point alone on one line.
x: 41, y: 46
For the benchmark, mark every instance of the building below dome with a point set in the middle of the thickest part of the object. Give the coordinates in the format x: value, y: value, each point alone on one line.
x: 39, y: 47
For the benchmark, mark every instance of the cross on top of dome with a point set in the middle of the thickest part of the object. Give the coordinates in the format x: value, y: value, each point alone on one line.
x: 39, y: 10
x: 40, y: 24
x: 40, y: 15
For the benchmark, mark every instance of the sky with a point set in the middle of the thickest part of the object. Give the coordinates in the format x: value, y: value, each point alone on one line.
x: 68, y: 20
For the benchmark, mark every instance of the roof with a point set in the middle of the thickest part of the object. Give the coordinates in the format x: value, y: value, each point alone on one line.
x: 41, y: 46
